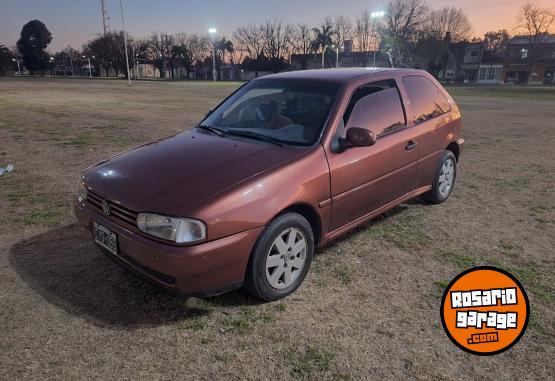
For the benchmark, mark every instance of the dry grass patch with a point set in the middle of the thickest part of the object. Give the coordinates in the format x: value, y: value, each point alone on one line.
x: 369, y: 306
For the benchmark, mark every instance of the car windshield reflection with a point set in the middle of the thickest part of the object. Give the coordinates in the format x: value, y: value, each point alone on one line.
x: 286, y: 111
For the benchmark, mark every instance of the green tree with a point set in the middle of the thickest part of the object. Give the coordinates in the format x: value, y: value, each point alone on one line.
x: 496, y: 42
x: 117, y: 51
x: 6, y: 57
x: 32, y: 44
x: 430, y: 52
x: 182, y: 57
x: 100, y: 49
x: 223, y: 46
x: 323, y: 37
x: 109, y: 52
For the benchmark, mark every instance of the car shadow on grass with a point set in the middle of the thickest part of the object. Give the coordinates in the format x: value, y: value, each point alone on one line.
x: 69, y: 271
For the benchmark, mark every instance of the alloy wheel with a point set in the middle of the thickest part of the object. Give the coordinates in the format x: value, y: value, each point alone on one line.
x: 446, y: 177
x: 286, y: 258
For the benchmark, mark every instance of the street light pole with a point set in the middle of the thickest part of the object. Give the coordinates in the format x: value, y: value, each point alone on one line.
x: 125, y: 43
x: 213, y: 32
x: 375, y: 16
x: 18, y: 68
x: 90, y: 70
x: 336, y: 48
x: 70, y: 60
x: 51, y: 61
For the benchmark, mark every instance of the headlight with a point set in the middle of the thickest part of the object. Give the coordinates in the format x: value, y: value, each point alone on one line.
x: 82, y: 191
x: 179, y: 230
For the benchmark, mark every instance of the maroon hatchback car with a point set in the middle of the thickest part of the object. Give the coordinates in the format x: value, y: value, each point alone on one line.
x: 285, y: 164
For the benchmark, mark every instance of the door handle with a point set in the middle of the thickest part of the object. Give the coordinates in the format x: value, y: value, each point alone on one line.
x: 410, y: 145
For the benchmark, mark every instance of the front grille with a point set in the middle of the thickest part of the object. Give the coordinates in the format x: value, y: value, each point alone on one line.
x: 118, y: 212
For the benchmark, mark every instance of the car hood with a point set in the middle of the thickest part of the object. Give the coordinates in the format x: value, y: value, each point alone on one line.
x: 171, y: 176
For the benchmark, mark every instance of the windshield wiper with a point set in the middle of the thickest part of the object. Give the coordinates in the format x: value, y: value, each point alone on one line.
x: 214, y: 130
x: 254, y: 135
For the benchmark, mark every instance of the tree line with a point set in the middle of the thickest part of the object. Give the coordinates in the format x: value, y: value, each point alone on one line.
x: 409, y: 33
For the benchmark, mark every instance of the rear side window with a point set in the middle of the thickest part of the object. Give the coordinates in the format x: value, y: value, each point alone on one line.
x: 426, y: 99
x: 377, y: 107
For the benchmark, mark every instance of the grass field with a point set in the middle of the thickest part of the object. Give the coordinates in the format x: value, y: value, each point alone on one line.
x: 369, y: 307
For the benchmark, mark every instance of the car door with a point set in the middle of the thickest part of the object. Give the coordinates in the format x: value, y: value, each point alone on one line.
x: 363, y: 179
x: 431, y: 118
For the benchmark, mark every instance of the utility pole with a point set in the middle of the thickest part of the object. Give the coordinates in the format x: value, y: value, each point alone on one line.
x: 90, y: 69
x: 105, y: 17
x: 336, y: 48
x: 125, y: 43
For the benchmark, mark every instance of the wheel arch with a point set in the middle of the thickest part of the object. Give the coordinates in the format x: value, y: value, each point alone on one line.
x: 454, y: 147
x: 313, y: 218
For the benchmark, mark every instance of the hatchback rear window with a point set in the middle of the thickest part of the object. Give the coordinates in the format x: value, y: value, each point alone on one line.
x: 426, y: 99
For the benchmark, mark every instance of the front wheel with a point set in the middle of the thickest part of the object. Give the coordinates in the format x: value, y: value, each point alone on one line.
x: 444, y: 180
x: 281, y: 257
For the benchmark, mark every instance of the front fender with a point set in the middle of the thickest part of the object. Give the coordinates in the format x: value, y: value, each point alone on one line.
x: 255, y: 202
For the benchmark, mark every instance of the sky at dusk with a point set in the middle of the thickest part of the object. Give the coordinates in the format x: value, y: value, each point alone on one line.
x: 76, y: 21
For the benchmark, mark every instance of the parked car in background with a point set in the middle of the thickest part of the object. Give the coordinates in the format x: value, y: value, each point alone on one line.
x: 284, y: 165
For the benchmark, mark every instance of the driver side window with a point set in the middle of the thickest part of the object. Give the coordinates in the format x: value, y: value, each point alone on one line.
x: 377, y: 107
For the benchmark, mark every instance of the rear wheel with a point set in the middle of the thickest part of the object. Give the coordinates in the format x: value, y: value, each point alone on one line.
x: 444, y: 180
x: 281, y: 257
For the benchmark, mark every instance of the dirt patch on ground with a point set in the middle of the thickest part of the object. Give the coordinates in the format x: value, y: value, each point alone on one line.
x: 369, y: 307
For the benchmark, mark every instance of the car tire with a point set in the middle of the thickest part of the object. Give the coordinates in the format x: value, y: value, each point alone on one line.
x: 444, y: 180
x: 281, y: 257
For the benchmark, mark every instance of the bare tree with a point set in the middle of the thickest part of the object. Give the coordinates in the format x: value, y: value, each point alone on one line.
x: 449, y: 21
x: 198, y: 46
x: 535, y: 22
x: 405, y: 17
x: 343, y: 27
x: 276, y: 39
x: 73, y: 55
x: 160, y: 45
x: 302, y: 39
x: 366, y: 36
x: 237, y: 56
x: 251, y: 39
x: 363, y: 31
x: 403, y: 21
x: 301, y: 42
x: 191, y: 49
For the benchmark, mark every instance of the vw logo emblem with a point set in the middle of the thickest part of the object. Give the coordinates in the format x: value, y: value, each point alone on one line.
x: 106, y: 207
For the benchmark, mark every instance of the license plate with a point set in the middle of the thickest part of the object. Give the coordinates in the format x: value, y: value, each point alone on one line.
x: 105, y: 238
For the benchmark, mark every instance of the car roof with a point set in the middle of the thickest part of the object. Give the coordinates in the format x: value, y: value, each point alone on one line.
x: 335, y: 75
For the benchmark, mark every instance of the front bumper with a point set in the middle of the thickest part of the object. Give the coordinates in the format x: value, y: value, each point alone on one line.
x: 205, y: 269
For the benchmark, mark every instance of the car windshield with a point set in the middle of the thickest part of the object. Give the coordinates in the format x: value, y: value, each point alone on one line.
x: 284, y: 111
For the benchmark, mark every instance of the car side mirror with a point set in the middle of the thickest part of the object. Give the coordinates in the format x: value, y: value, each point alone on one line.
x: 355, y: 137
x: 209, y: 112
